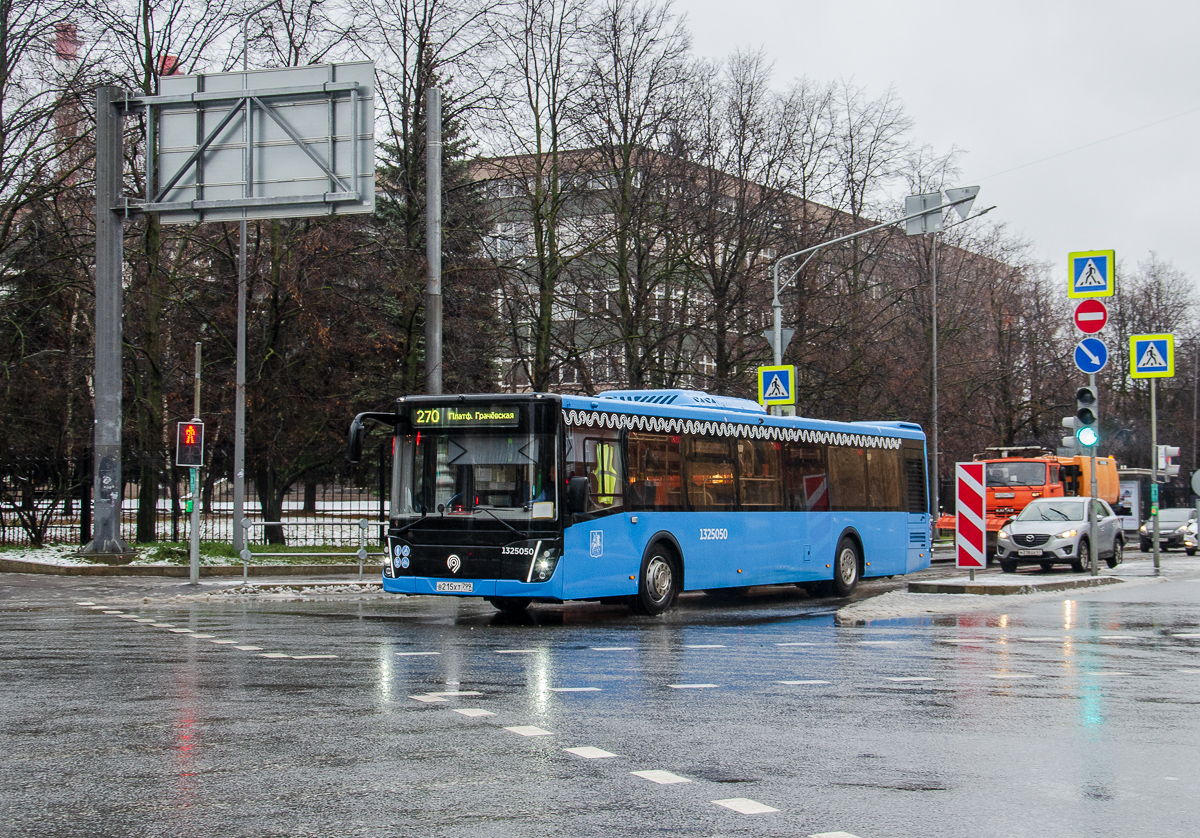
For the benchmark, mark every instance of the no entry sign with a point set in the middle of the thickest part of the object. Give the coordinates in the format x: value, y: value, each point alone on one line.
x: 970, y: 504
x: 1090, y: 316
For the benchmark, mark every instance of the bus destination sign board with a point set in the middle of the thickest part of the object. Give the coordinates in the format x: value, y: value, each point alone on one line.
x: 466, y: 416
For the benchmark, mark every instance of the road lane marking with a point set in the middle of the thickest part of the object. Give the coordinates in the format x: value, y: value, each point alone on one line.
x: 795, y: 644
x: 445, y: 693
x: 1044, y: 639
x: 415, y: 654
x: 965, y: 641
x: 801, y: 683
x: 692, y: 686
x: 528, y: 730
x: 181, y: 631
x: 163, y: 625
x: 1009, y: 675
x: 135, y: 616
x: 145, y: 620
x: 428, y: 699
x: 85, y: 603
x: 745, y: 806
x: 574, y: 689
x: 274, y: 655
x: 1117, y: 637
x: 1188, y: 636
x: 588, y: 752
x: 1111, y: 672
x: 221, y: 642
x: 663, y: 778
x: 833, y: 835
x: 705, y: 646
x: 878, y: 642
x: 249, y: 648
x: 202, y: 636
x: 312, y: 657
x: 110, y: 612
x: 911, y: 678
x: 612, y: 648
x: 515, y: 651
x: 1189, y: 671
x: 472, y: 712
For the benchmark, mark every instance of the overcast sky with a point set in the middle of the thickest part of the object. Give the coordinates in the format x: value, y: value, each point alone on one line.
x: 1011, y: 83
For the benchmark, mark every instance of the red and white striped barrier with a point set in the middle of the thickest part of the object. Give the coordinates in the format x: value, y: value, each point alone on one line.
x: 970, y: 504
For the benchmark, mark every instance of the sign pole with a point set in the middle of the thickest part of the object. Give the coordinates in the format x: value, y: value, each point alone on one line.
x: 433, y: 241
x: 194, y: 534
x: 1094, y: 559
x: 1154, y: 467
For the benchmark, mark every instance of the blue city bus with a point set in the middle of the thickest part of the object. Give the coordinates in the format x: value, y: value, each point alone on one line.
x: 637, y: 495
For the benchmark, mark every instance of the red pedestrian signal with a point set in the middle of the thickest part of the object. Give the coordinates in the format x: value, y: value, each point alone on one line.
x: 189, y: 444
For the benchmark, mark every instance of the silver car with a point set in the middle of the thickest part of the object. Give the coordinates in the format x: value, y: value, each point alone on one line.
x: 1053, y: 531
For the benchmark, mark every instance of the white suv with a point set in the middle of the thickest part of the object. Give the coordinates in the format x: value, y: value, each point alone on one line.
x: 1053, y: 531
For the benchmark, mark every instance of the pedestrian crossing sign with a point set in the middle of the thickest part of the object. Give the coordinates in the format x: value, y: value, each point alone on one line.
x: 1093, y: 273
x: 1152, y: 356
x: 776, y: 385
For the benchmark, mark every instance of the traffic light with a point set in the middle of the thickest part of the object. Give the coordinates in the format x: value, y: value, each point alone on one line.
x: 1087, y: 414
x: 189, y: 444
x: 1168, y: 464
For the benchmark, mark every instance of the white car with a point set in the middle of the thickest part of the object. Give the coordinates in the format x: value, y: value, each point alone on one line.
x: 1053, y: 531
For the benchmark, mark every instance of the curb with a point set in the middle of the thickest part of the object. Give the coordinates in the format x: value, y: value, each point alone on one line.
x: 946, y: 586
x: 177, y: 571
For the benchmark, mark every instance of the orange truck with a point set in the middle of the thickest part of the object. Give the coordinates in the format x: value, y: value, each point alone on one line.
x: 1015, y: 476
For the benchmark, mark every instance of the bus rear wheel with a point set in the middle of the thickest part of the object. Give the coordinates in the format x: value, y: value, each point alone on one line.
x: 510, y: 604
x: 846, y: 564
x: 658, y: 582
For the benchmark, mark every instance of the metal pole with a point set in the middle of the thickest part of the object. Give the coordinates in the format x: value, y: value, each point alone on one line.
x: 433, y: 241
x: 194, y: 535
x: 1195, y: 393
x: 1093, y: 540
x: 239, y: 387
x: 1154, y: 468
x: 934, y: 422
x: 106, y: 456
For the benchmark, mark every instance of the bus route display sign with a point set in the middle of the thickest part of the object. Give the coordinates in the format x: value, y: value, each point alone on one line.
x: 466, y: 416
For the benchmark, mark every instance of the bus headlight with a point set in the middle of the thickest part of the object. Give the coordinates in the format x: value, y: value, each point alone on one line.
x: 543, y: 566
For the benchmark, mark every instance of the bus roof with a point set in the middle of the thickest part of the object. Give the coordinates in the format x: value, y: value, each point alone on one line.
x: 695, y: 404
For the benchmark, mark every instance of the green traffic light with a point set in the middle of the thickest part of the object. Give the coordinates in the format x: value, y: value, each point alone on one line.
x: 1087, y: 436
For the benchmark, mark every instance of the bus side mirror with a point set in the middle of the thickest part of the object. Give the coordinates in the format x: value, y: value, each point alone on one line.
x: 354, y: 441
x: 577, y: 492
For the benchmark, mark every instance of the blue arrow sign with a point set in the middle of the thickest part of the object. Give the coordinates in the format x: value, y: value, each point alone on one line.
x: 1091, y: 355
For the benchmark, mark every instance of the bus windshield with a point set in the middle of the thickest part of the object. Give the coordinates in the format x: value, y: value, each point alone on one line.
x: 506, y: 474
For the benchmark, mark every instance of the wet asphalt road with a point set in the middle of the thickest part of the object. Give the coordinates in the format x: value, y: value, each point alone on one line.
x: 411, y: 716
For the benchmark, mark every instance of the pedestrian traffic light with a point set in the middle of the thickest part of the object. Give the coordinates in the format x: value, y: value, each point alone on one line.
x: 1087, y: 414
x: 1168, y: 464
x: 189, y: 444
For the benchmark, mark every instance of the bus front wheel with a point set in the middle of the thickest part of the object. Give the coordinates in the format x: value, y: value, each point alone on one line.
x: 846, y: 566
x: 658, y: 582
x: 510, y: 604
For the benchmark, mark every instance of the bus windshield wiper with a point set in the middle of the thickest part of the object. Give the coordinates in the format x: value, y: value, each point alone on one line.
x: 498, y: 518
x: 409, y: 526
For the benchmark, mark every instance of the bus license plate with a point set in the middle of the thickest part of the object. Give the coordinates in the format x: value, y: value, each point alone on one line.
x: 456, y: 587
x: 1029, y: 552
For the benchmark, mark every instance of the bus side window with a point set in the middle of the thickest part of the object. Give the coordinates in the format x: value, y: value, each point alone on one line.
x: 883, y: 479
x: 805, y: 477
x: 848, y: 477
x: 758, y: 474
x: 605, y: 473
x: 655, y: 472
